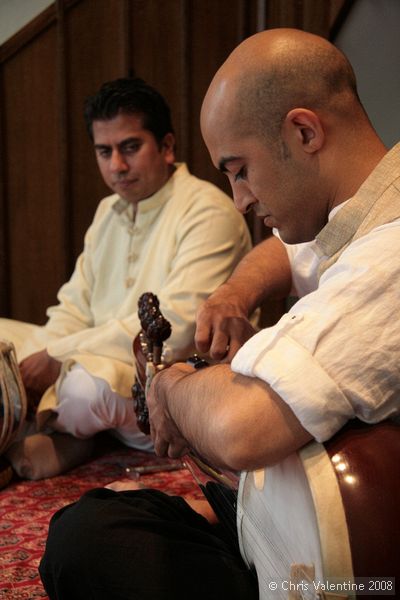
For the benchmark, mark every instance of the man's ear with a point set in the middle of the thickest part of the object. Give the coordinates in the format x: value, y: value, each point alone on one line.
x: 303, y: 128
x: 168, y: 148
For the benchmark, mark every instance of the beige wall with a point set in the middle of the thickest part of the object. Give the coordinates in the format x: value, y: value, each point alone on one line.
x: 15, y: 14
x: 370, y: 38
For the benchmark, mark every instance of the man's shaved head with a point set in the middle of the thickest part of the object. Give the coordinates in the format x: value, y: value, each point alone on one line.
x: 283, y: 120
x: 275, y: 71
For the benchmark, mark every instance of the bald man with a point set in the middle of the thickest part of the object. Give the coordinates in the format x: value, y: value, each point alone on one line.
x: 283, y: 120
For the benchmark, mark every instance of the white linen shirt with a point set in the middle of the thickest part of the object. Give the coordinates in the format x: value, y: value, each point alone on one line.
x: 332, y: 357
x: 335, y: 354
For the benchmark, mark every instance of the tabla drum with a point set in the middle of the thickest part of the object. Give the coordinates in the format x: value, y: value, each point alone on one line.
x: 13, y: 401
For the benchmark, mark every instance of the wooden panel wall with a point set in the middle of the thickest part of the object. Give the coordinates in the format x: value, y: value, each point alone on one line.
x: 35, y: 248
x: 50, y: 186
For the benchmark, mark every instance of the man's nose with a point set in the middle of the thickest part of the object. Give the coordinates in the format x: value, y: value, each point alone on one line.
x: 243, y: 199
x: 118, y: 164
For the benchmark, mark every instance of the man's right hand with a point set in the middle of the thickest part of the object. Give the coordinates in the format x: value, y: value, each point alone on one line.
x: 222, y: 325
x: 39, y: 371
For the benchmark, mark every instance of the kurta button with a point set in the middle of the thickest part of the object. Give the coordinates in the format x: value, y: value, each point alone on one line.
x: 129, y: 281
x: 132, y: 257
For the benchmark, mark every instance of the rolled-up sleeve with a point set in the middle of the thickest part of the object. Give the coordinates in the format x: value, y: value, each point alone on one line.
x: 296, y: 376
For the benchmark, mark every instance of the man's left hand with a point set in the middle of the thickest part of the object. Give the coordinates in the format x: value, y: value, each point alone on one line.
x: 167, y: 439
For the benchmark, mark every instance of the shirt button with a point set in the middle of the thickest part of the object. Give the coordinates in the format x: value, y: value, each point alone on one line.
x: 132, y: 257
x: 129, y: 281
x: 132, y: 229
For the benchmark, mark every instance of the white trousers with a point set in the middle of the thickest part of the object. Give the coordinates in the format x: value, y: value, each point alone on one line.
x: 87, y: 405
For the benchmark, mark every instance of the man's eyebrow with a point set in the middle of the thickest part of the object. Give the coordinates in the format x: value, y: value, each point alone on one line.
x: 130, y: 140
x: 223, y: 162
x: 123, y: 143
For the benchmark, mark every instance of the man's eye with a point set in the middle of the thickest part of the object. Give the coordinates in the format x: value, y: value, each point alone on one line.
x: 131, y: 148
x: 240, y: 174
x: 104, y: 153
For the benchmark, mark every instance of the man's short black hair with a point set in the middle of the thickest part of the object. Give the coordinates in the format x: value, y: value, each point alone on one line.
x: 130, y: 96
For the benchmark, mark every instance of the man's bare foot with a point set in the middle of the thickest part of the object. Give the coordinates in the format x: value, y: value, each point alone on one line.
x: 200, y: 506
x: 123, y: 486
x: 40, y: 455
x: 203, y: 508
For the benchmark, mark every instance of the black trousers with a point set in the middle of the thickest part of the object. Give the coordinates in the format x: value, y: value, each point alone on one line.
x: 141, y: 545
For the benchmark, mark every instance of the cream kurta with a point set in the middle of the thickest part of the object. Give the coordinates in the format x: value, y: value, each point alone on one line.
x: 184, y: 242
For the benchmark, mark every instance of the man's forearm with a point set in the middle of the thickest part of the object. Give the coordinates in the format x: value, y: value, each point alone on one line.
x: 233, y: 421
x: 222, y: 324
x: 263, y: 273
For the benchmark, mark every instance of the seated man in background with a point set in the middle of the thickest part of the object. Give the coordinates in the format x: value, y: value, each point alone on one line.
x: 163, y: 230
x: 283, y: 120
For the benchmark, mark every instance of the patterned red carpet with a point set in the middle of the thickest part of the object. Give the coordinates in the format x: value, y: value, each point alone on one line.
x: 27, y: 506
